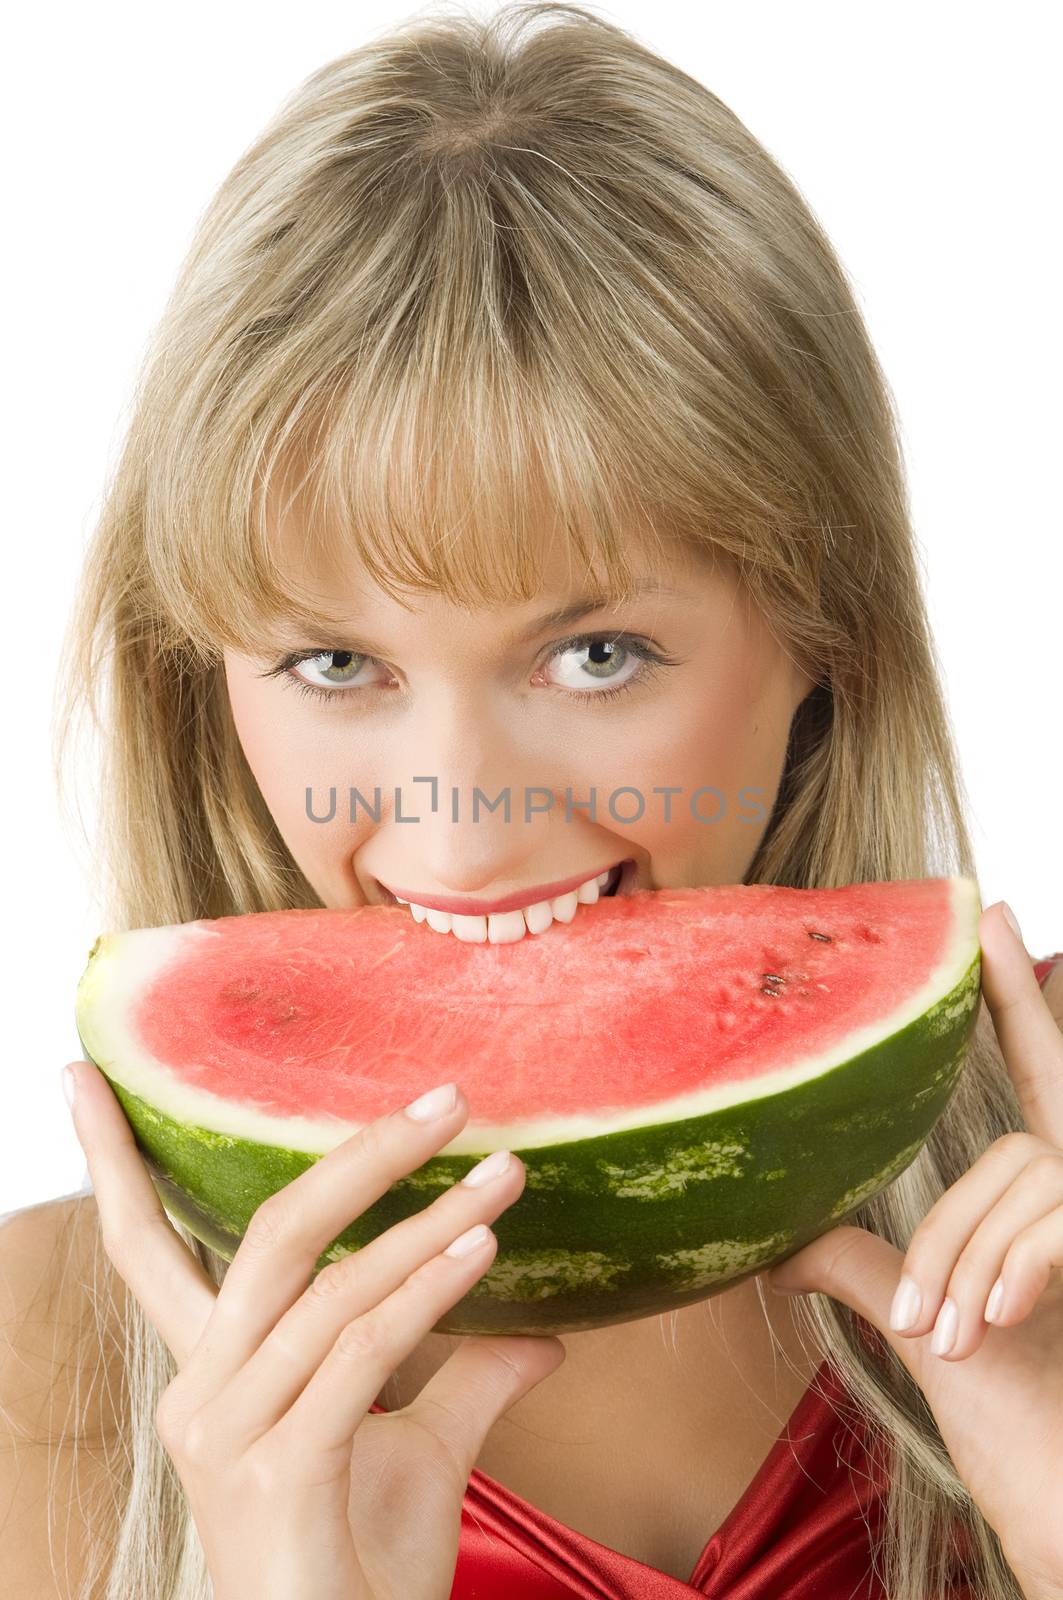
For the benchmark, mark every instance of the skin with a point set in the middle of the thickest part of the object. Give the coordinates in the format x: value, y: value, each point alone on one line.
x: 457, y: 694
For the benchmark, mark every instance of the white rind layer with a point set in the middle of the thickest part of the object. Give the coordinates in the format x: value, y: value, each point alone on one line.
x: 126, y: 963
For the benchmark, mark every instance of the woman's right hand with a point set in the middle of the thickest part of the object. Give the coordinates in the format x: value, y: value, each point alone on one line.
x: 298, y: 1492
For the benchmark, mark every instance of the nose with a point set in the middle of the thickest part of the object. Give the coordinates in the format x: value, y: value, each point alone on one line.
x: 480, y: 804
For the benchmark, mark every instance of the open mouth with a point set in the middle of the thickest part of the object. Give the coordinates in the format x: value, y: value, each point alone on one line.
x: 612, y: 883
x: 508, y: 926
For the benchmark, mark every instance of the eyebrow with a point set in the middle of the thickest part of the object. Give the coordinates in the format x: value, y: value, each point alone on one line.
x: 324, y: 626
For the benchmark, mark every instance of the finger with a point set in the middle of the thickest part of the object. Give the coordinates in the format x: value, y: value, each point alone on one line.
x: 1027, y: 1268
x: 278, y: 1371
x: 479, y: 1383
x: 146, y: 1251
x: 861, y: 1269
x: 1010, y: 1244
x: 939, y: 1241
x: 463, y: 1399
x: 1030, y: 1039
x: 328, y: 1411
x: 275, y: 1259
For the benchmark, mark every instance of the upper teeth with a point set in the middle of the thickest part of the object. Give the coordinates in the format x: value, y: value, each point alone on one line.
x: 505, y: 927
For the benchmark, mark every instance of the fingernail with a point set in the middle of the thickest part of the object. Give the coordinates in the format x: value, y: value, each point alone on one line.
x: 904, y: 1312
x: 945, y: 1328
x: 491, y: 1166
x: 1012, y: 922
x: 436, y: 1103
x: 69, y: 1083
x: 995, y: 1301
x: 469, y: 1241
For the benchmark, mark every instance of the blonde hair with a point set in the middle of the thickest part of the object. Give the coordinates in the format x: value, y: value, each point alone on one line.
x: 528, y: 245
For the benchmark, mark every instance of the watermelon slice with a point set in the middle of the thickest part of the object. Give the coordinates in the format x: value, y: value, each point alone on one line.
x: 698, y: 1081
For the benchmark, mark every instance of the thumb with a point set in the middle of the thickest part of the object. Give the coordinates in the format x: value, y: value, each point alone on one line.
x: 475, y: 1386
x: 860, y: 1269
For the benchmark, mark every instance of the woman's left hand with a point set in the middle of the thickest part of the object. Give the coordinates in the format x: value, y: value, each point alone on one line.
x: 997, y: 1391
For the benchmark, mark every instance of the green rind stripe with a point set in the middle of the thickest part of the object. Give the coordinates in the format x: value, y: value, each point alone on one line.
x: 582, y: 1246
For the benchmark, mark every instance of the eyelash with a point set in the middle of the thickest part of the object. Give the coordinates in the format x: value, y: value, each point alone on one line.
x: 652, y: 659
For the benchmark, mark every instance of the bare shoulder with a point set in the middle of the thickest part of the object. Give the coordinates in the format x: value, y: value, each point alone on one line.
x: 60, y: 1310
x: 61, y: 1400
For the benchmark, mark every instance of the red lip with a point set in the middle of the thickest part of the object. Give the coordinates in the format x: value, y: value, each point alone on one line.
x: 462, y: 907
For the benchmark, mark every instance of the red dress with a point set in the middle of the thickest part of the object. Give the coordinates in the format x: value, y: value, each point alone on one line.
x: 804, y: 1529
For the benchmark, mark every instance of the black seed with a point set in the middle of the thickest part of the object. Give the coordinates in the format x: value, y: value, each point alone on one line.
x: 812, y: 934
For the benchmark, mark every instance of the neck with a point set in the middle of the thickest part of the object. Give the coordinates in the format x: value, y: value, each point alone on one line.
x: 714, y: 1365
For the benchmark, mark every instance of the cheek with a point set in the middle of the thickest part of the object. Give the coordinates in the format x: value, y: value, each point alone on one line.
x: 289, y: 752
x: 729, y: 743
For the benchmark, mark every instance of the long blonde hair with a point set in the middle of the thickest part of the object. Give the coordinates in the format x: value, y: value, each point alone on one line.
x: 505, y: 247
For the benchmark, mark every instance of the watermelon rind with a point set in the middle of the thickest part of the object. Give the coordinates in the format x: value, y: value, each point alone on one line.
x: 624, y: 1214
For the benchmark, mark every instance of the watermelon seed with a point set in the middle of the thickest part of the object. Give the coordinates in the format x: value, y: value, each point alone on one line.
x: 812, y: 934
x: 773, y: 977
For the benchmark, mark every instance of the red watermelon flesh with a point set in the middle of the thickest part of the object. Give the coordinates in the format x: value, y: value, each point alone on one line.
x: 698, y: 1081
x: 644, y: 1004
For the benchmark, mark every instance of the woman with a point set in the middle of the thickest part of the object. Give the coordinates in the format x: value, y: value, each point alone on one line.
x: 495, y: 320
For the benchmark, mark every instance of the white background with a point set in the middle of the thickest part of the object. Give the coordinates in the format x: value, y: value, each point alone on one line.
x: 926, y: 139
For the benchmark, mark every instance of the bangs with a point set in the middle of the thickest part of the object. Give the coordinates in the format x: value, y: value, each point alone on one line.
x: 456, y: 494
x: 450, y: 493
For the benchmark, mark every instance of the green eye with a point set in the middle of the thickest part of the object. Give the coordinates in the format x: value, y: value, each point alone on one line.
x: 602, y: 660
x: 603, y: 665
x: 345, y: 663
x: 338, y: 667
